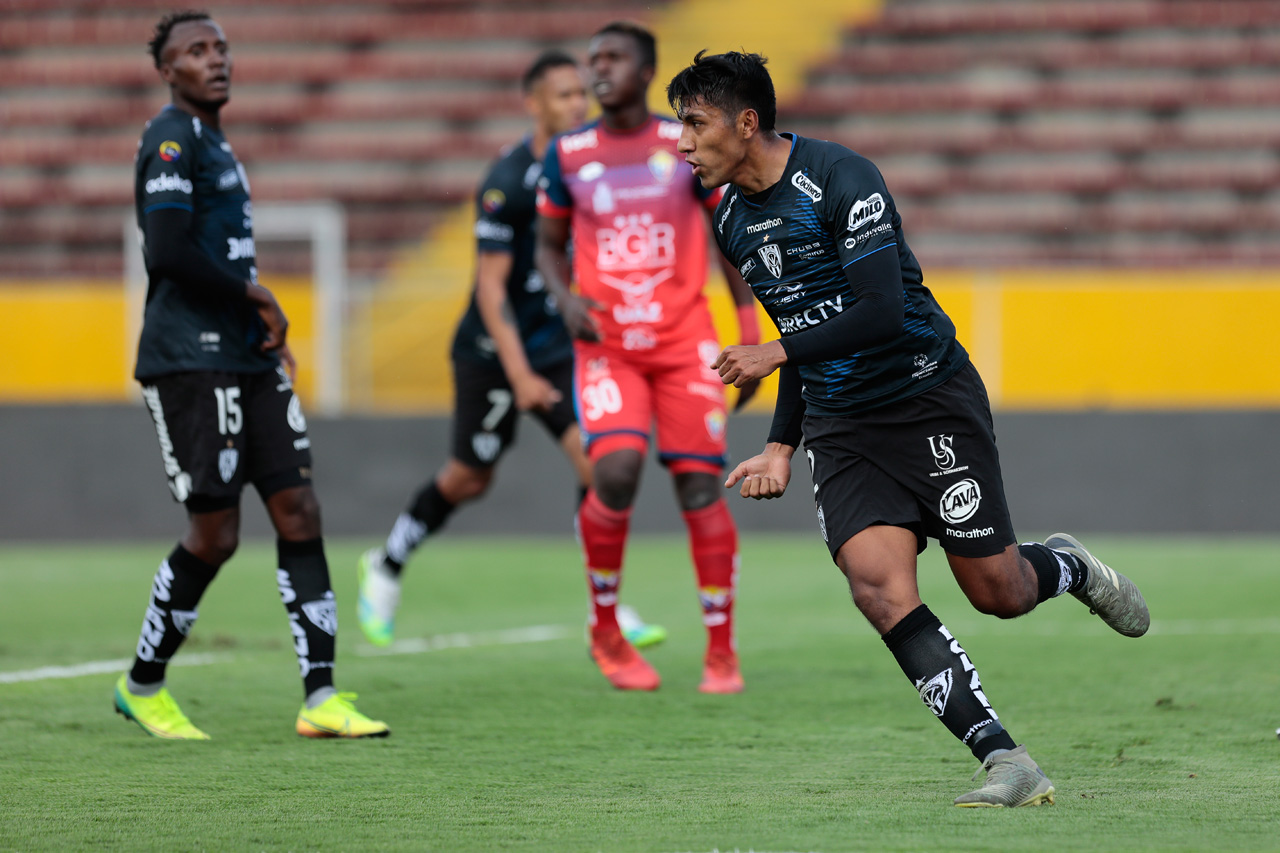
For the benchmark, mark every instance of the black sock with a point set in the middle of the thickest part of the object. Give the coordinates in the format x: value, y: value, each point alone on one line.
x: 1056, y: 571
x: 175, y: 591
x: 303, y: 578
x: 948, y: 683
x: 426, y: 514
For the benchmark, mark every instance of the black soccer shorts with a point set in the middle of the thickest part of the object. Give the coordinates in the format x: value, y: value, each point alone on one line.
x: 485, y: 414
x: 220, y: 430
x: 927, y: 463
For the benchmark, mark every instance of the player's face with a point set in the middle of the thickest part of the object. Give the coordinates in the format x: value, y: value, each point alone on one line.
x: 559, y: 100
x: 618, y: 77
x: 710, y: 143
x: 196, y: 63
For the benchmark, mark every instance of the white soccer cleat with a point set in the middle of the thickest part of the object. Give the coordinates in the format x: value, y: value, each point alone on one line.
x: 379, y: 598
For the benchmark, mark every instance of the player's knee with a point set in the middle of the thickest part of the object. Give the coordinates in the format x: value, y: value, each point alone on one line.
x: 695, y: 491
x: 1002, y: 601
x: 295, y: 513
x: 213, y: 546
x: 464, y: 483
x: 616, y: 477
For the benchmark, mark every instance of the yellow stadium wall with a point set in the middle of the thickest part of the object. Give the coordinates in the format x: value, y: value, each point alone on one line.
x: 1044, y: 339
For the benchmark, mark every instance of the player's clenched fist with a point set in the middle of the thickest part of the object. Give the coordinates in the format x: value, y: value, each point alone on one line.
x: 739, y: 365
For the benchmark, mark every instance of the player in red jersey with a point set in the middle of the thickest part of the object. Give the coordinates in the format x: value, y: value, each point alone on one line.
x: 643, y: 342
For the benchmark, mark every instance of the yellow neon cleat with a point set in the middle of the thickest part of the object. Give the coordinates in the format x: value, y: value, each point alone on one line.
x: 337, y: 717
x: 158, y: 715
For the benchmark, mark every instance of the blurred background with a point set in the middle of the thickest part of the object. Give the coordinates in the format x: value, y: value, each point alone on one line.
x: 1091, y: 186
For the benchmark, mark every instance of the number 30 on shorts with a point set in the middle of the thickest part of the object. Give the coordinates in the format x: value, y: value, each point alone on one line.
x: 601, y: 398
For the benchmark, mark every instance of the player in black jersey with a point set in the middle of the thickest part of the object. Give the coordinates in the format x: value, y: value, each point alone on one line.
x: 217, y: 378
x: 895, y: 420
x: 510, y: 352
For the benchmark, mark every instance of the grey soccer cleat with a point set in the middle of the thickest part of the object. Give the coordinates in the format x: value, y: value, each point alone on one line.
x: 1108, y: 593
x: 1013, y: 780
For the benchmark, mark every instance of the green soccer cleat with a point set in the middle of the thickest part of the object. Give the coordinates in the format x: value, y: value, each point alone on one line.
x: 1109, y: 594
x: 378, y: 599
x: 338, y: 717
x: 1013, y: 780
x: 636, y: 631
x: 158, y: 715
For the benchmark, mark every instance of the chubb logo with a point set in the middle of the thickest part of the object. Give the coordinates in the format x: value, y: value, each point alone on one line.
x: 162, y: 183
x: 865, y: 211
x: 960, y: 502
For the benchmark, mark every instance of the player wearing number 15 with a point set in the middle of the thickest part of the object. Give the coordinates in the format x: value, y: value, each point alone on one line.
x: 217, y: 380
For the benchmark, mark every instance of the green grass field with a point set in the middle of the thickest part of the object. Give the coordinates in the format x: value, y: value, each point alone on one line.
x: 1163, y: 743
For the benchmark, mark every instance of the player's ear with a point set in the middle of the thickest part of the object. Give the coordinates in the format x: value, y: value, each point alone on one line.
x: 748, y: 123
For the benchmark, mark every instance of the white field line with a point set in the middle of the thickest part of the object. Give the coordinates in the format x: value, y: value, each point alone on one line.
x: 412, y: 646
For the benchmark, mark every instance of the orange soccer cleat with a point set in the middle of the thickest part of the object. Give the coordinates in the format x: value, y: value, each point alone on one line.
x: 621, y: 663
x: 720, y: 674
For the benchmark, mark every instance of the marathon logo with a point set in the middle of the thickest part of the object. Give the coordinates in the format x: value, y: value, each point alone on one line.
x: 971, y: 534
x: 763, y: 226
x: 812, y: 317
x: 168, y: 183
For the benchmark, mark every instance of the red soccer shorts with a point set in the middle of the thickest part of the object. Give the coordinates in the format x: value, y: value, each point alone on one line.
x: 621, y: 396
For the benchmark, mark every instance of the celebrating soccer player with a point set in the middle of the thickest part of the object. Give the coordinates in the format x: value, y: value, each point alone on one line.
x: 511, y: 352
x: 895, y: 419
x: 210, y: 363
x: 644, y: 343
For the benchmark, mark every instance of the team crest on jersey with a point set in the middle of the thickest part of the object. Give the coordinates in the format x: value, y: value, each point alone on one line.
x: 662, y: 165
x: 170, y: 151
x: 228, y: 459
x: 771, y: 254
x: 715, y: 424
x: 493, y: 200
x: 486, y: 445
x: 936, y: 691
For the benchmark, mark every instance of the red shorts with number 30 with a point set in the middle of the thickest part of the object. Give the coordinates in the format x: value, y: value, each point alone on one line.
x: 621, y: 396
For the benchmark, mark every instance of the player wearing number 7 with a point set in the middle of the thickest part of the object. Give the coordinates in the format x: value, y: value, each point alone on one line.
x: 210, y: 363
x: 643, y: 343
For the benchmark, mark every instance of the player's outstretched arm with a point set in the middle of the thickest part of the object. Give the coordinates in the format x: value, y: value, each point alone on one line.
x: 764, y: 476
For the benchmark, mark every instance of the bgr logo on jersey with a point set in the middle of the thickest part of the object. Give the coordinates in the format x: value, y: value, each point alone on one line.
x: 801, y: 182
x: 240, y: 247
x: 168, y: 183
x: 865, y: 211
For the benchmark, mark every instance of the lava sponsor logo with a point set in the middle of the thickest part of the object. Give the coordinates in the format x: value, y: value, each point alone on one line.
x: 960, y: 502
x: 228, y: 179
x: 228, y: 460
x: 179, y: 480
x: 763, y: 226
x: 579, y: 141
x: 662, y: 165
x: 170, y: 151
x: 801, y: 182
x: 497, y: 232
x: 297, y: 420
x: 865, y: 211
x: 727, y: 208
x: 239, y: 248
x: 635, y: 242
x: 771, y: 254
x: 162, y: 183
x: 814, y: 316
x: 493, y: 200
x: 936, y: 691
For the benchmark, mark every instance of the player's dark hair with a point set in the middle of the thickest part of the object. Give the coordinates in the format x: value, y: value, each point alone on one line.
x: 165, y: 26
x: 643, y: 38
x: 547, y: 60
x: 730, y: 82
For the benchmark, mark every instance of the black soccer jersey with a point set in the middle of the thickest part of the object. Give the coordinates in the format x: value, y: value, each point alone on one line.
x: 505, y: 214
x: 182, y: 163
x: 830, y: 210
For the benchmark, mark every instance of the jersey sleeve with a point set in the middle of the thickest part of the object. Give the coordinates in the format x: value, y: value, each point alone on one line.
x: 495, y: 214
x: 859, y: 213
x: 554, y: 200
x: 167, y: 166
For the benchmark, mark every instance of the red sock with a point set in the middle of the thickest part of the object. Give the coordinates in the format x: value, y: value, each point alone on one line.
x: 713, y: 540
x: 604, y: 534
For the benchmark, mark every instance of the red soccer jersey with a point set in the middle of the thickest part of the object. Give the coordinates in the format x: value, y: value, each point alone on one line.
x: 639, y: 230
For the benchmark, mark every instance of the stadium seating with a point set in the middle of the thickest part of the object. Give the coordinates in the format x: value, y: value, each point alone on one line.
x: 392, y: 107
x: 1126, y: 132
